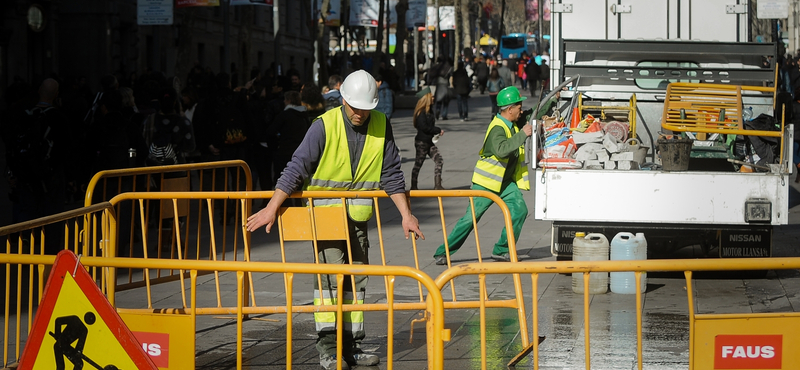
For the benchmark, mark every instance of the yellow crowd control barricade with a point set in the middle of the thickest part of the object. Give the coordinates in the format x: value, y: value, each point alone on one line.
x: 23, y: 282
x: 716, y: 341
x: 307, y: 224
x: 212, y: 222
x: 233, y: 175
x: 436, y: 334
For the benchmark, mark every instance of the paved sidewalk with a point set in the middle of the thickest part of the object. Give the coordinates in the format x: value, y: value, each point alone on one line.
x: 560, y: 311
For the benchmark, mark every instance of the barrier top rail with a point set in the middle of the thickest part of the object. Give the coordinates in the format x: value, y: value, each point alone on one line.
x: 165, y: 169
x: 679, y: 265
x: 435, y: 307
x: 48, y: 220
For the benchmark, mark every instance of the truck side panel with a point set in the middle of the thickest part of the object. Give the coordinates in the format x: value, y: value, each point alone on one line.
x: 656, y: 196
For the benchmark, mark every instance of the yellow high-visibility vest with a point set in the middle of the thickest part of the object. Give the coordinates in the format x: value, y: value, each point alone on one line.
x: 334, y: 170
x: 489, y: 171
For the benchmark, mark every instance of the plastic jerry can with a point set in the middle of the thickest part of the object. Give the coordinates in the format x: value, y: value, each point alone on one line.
x: 591, y: 247
x: 625, y: 247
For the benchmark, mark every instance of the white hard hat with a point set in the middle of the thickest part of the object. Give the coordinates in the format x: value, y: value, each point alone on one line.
x: 360, y: 90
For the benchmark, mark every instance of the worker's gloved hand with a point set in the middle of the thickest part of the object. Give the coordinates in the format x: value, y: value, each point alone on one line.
x: 524, y: 117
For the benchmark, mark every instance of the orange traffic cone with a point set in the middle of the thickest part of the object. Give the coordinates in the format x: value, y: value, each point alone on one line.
x: 575, y: 119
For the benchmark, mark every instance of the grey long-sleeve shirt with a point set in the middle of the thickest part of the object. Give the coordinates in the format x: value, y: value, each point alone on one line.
x: 306, y: 157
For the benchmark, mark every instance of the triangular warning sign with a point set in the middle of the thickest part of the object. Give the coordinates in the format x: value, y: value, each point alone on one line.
x: 76, y: 327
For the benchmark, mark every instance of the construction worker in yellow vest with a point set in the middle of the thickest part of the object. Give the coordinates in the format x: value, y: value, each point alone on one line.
x: 500, y: 170
x: 350, y: 147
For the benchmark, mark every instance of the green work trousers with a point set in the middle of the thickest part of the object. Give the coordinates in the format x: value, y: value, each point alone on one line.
x: 335, y: 251
x: 512, y: 196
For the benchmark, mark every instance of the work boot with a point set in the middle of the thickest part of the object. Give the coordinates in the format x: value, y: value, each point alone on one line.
x: 362, y: 358
x: 328, y: 362
x: 438, y: 183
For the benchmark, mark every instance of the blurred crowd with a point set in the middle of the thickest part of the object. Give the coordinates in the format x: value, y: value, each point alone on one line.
x: 58, y: 133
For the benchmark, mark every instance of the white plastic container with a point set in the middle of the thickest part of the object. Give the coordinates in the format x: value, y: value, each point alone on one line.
x: 625, y: 247
x: 591, y: 247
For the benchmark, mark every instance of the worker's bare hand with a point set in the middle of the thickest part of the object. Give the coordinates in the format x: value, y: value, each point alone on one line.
x: 411, y: 224
x: 261, y: 218
x: 527, y: 129
x: 441, y: 132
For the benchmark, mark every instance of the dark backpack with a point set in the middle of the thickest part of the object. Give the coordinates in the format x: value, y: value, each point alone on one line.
x: 331, y: 102
x: 29, y: 153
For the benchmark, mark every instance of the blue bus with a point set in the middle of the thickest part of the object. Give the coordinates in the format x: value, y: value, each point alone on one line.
x: 513, y: 44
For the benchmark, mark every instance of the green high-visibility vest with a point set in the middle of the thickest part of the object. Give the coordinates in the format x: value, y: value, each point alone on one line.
x: 334, y: 170
x: 489, y: 171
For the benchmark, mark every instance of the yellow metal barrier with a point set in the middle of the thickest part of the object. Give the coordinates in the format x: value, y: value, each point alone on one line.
x: 698, y: 355
x: 23, y: 284
x: 611, y: 109
x: 310, y: 231
x: 709, y: 108
x: 191, y: 211
x: 231, y: 175
x: 434, y: 308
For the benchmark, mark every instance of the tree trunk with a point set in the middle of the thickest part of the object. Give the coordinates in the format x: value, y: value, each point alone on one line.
x: 457, y: 32
x: 379, y: 36
x: 501, y: 27
x: 399, y: 52
x: 466, y: 30
x: 322, y: 43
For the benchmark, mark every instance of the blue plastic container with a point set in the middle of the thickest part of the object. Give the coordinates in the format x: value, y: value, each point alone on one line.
x: 625, y: 247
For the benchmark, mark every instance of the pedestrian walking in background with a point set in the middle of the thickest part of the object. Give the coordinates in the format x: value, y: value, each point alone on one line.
x: 333, y: 98
x: 506, y: 74
x: 350, y: 133
x: 445, y: 71
x: 36, y: 137
x: 171, y: 135
x: 545, y: 75
x: 494, y: 85
x: 533, y: 73
x: 289, y: 127
x: 425, y: 123
x: 499, y: 170
x: 462, y: 84
x: 385, y: 97
x: 482, y: 72
x: 521, y: 74
x: 311, y: 97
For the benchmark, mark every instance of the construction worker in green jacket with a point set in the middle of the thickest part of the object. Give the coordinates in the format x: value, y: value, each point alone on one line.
x: 500, y: 170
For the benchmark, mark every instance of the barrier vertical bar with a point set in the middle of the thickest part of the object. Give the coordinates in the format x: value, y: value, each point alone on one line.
x: 289, y: 281
x: 239, y: 316
x: 639, y: 292
x: 586, y: 320
x: 688, y: 276
x: 390, y: 320
x: 482, y: 283
x: 535, y: 298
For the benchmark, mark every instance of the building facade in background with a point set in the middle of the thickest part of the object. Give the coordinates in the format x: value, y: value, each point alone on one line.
x: 92, y: 38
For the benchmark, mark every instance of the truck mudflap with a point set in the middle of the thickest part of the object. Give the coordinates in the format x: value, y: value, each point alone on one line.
x: 664, y: 240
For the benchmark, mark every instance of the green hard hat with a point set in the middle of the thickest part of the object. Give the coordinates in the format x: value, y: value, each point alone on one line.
x: 509, y: 95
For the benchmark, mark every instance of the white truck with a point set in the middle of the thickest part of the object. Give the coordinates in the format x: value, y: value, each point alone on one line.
x: 635, y: 48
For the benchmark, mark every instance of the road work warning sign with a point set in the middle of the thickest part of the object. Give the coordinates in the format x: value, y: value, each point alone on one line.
x: 75, y: 326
